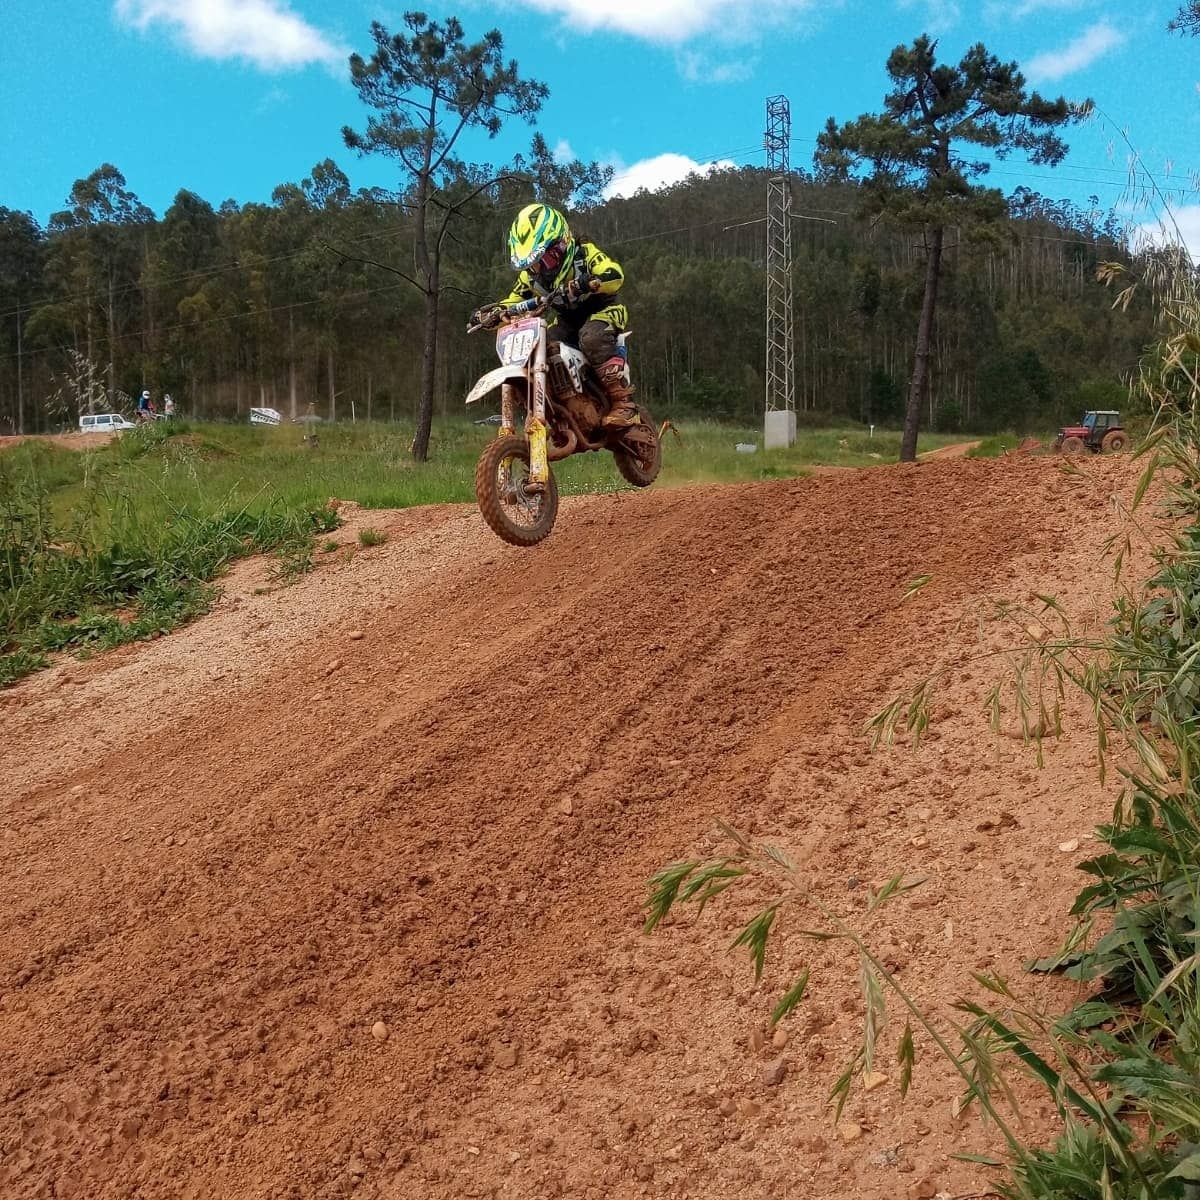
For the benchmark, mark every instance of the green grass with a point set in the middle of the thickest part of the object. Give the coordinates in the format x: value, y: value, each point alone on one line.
x: 96, y: 551
x: 120, y: 542
x: 706, y: 452
x: 160, y: 471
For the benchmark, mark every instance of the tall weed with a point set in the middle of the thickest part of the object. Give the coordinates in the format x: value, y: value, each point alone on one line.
x: 113, y: 570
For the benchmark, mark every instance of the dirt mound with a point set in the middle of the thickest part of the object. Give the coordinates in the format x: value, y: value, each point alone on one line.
x: 337, y: 891
x: 68, y: 441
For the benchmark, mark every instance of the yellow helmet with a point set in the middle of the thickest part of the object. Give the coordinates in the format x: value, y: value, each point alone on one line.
x: 537, y: 228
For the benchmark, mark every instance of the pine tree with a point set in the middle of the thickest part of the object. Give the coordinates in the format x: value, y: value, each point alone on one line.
x: 1187, y: 20
x: 912, y: 154
x: 427, y: 87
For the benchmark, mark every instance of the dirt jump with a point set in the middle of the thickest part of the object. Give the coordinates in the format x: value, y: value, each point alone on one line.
x: 338, y: 891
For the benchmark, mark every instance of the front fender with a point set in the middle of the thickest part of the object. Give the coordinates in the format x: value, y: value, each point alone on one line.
x: 492, y: 380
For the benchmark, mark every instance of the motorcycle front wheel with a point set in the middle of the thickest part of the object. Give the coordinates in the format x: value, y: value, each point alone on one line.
x: 512, y: 514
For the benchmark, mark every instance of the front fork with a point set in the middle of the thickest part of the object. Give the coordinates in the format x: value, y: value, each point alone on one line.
x: 508, y: 404
x: 535, y: 424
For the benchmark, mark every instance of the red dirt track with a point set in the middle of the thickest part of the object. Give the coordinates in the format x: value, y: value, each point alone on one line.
x: 228, y: 854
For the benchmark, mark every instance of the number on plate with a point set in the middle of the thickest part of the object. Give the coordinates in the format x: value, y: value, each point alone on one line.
x: 516, y: 347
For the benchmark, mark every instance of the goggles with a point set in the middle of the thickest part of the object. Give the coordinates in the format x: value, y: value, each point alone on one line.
x: 551, y: 260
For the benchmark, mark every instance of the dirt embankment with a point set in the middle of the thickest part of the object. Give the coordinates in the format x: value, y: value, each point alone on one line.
x: 337, y: 891
x: 68, y: 441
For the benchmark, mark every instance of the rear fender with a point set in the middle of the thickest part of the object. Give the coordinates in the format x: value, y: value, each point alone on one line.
x: 493, y: 380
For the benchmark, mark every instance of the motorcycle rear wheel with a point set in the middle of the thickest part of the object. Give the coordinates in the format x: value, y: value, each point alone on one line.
x: 513, y: 515
x: 641, y: 468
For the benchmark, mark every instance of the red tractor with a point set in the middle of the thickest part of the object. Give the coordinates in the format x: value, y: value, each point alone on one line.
x: 1099, y: 432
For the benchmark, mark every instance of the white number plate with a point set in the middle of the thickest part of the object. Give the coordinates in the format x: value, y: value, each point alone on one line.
x: 516, y: 345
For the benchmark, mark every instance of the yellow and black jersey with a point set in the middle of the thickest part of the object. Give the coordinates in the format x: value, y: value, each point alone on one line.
x: 588, y: 264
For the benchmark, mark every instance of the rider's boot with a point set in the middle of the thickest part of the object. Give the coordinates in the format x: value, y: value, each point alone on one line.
x: 623, y: 412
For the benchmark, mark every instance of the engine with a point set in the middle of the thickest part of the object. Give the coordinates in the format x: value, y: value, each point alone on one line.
x: 582, y: 407
x: 585, y: 412
x: 562, y: 386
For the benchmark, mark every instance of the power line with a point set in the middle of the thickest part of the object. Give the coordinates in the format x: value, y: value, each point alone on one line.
x: 199, y: 273
x: 1127, y: 185
x: 1135, y: 167
x: 1095, y: 243
x: 739, y: 155
x: 240, y: 316
x: 643, y: 237
x: 277, y: 308
x: 702, y: 160
x: 271, y: 309
x: 741, y: 152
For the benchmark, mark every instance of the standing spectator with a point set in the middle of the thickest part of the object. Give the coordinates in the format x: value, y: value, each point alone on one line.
x: 168, y: 405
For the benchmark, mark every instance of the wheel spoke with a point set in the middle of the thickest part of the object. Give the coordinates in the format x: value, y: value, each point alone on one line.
x: 525, y: 508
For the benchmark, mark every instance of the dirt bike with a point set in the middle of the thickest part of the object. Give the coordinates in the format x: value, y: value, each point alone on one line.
x: 565, y: 409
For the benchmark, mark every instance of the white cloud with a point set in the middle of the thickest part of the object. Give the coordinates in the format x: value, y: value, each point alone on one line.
x: 1089, y: 46
x: 563, y: 152
x: 940, y: 15
x: 675, y: 21
x: 273, y: 99
x: 1177, y: 224
x: 1007, y: 10
x: 659, y: 172
x: 265, y: 33
x: 700, y: 68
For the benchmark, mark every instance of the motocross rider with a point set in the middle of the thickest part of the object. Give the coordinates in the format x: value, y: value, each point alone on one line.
x: 585, y: 283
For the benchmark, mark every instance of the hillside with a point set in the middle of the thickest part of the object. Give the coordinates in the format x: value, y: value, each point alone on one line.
x: 298, y: 303
x: 338, y: 889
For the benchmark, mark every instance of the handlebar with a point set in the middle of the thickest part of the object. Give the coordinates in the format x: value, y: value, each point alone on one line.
x: 514, y: 312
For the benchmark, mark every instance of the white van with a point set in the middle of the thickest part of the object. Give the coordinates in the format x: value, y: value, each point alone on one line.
x: 104, y: 423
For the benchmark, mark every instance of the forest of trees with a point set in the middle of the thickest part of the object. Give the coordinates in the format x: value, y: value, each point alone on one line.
x: 325, y: 298
x: 244, y: 305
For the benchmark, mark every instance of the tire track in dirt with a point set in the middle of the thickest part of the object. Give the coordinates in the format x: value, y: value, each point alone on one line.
x: 444, y: 825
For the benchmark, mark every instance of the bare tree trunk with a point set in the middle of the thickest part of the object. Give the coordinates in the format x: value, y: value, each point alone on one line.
x: 91, y: 369
x: 920, y: 375
x: 20, y: 380
x: 147, y: 307
x: 420, y: 446
x: 428, y: 265
x: 292, y: 363
x: 332, y: 392
x: 368, y: 397
x: 112, y: 340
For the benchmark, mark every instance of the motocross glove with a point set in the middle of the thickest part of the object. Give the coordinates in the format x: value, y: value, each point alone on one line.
x: 579, y: 289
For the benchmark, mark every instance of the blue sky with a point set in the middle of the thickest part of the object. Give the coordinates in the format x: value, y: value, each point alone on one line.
x: 231, y: 97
